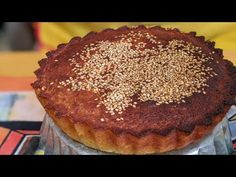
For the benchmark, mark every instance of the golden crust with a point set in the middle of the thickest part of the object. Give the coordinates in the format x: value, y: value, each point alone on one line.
x: 125, y: 143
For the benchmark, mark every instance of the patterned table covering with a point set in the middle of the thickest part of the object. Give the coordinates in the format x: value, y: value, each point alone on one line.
x: 20, y: 121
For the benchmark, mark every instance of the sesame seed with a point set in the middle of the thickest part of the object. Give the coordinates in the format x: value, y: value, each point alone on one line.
x: 102, y: 120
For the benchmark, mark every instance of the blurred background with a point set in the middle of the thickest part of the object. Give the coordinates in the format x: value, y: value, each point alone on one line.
x: 17, y: 36
x: 40, y: 36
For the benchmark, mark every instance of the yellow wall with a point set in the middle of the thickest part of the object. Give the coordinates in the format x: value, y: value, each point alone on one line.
x: 52, y: 34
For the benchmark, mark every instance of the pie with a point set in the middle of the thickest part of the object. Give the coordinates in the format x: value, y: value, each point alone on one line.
x: 136, y: 90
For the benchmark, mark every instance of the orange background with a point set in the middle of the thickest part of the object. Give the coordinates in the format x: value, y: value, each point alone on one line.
x: 16, y: 70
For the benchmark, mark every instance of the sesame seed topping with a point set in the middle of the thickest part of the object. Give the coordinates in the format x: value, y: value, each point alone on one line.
x: 118, y: 70
x: 43, y: 88
x: 102, y: 120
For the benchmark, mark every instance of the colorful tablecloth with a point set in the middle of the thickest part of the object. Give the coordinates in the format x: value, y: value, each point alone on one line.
x: 21, y: 114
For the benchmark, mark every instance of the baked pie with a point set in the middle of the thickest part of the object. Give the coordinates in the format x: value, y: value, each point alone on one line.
x: 136, y: 90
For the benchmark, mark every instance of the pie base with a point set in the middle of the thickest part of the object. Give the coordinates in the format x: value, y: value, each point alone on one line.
x: 124, y: 143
